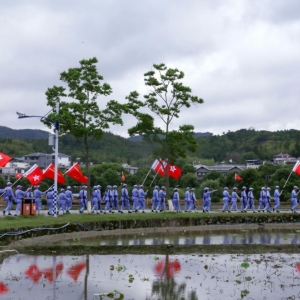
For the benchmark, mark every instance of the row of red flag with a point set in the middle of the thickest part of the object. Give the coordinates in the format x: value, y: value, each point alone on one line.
x: 35, y: 175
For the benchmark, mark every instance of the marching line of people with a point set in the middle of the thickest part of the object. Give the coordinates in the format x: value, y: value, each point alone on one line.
x: 113, y: 201
x: 264, y: 201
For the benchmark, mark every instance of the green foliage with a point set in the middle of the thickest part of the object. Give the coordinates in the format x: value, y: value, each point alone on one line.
x: 82, y: 117
x: 190, y: 180
x: 167, y: 97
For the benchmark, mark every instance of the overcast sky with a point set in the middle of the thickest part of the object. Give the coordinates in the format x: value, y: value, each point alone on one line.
x: 242, y: 57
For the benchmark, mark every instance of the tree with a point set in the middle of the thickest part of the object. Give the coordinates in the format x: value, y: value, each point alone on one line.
x: 165, y: 100
x: 79, y: 112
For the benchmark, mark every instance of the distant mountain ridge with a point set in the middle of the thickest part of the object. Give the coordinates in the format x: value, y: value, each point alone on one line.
x: 22, y: 134
x: 139, y: 138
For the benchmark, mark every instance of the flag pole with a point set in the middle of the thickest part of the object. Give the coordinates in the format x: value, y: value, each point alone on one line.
x: 153, y: 179
x: 287, y: 179
x: 147, y: 175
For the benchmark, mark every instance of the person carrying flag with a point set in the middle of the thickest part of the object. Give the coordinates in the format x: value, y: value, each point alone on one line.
x: 19, y: 198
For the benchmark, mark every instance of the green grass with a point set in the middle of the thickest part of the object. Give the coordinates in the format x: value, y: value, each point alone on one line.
x: 48, y: 221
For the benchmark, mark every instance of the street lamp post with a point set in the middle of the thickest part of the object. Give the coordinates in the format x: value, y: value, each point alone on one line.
x: 56, y: 126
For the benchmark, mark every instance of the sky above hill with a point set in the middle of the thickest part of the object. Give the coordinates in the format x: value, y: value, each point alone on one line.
x: 241, y: 57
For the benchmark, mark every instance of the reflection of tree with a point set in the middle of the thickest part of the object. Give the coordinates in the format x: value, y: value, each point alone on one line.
x: 166, y: 288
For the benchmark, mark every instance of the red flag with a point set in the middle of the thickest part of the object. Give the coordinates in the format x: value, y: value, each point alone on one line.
x: 123, y: 178
x: 34, y: 175
x: 49, y: 173
x: 18, y: 175
x: 4, y: 159
x: 296, y: 168
x: 174, y: 171
x: 237, y: 177
x: 76, y: 174
x: 158, y: 167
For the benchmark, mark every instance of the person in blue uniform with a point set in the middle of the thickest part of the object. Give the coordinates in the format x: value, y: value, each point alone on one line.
x: 175, y: 200
x: 207, y: 199
x: 69, y: 201
x: 135, y: 197
x: 262, y: 198
x: 29, y: 193
x: 62, y: 199
x: 82, y: 198
x: 99, y: 196
x: 95, y: 200
x: 142, y: 195
x: 49, y: 198
x: 19, y: 197
x: 294, y: 199
x: 161, y: 200
x: 9, y: 197
x: 234, y: 198
x: 125, y: 199
x: 37, y: 194
x: 251, y: 199
x: 115, y: 196
x: 154, y: 198
x: 226, y: 199
x: 276, y: 198
x: 244, y: 200
x: 109, y: 200
x: 267, y: 200
x: 187, y: 199
x: 193, y: 200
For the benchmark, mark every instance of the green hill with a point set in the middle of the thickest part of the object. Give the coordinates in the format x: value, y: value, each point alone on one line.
x: 238, y: 146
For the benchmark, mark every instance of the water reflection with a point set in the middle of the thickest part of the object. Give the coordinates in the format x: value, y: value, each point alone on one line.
x: 192, y: 277
x: 196, y: 238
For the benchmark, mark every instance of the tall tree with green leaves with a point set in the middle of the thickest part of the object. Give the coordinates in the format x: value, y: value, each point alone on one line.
x: 167, y: 97
x: 79, y: 113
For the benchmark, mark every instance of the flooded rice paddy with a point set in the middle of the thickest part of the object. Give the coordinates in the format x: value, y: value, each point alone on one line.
x: 159, y: 276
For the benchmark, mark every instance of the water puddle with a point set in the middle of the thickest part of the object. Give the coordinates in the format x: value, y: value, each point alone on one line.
x: 151, y: 277
x: 215, y: 237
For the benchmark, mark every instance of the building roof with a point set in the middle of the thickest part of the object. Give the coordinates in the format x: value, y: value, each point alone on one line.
x: 222, y: 167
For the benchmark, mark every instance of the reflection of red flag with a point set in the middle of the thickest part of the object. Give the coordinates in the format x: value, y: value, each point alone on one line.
x: 298, y: 266
x: 174, y: 171
x: 48, y: 273
x: 76, y: 174
x: 168, y: 268
x: 4, y: 159
x: 123, y: 177
x: 237, y: 177
x: 3, y: 288
x: 296, y: 168
x: 158, y: 167
x: 49, y: 173
x: 75, y: 270
x: 34, y: 273
x: 34, y: 175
